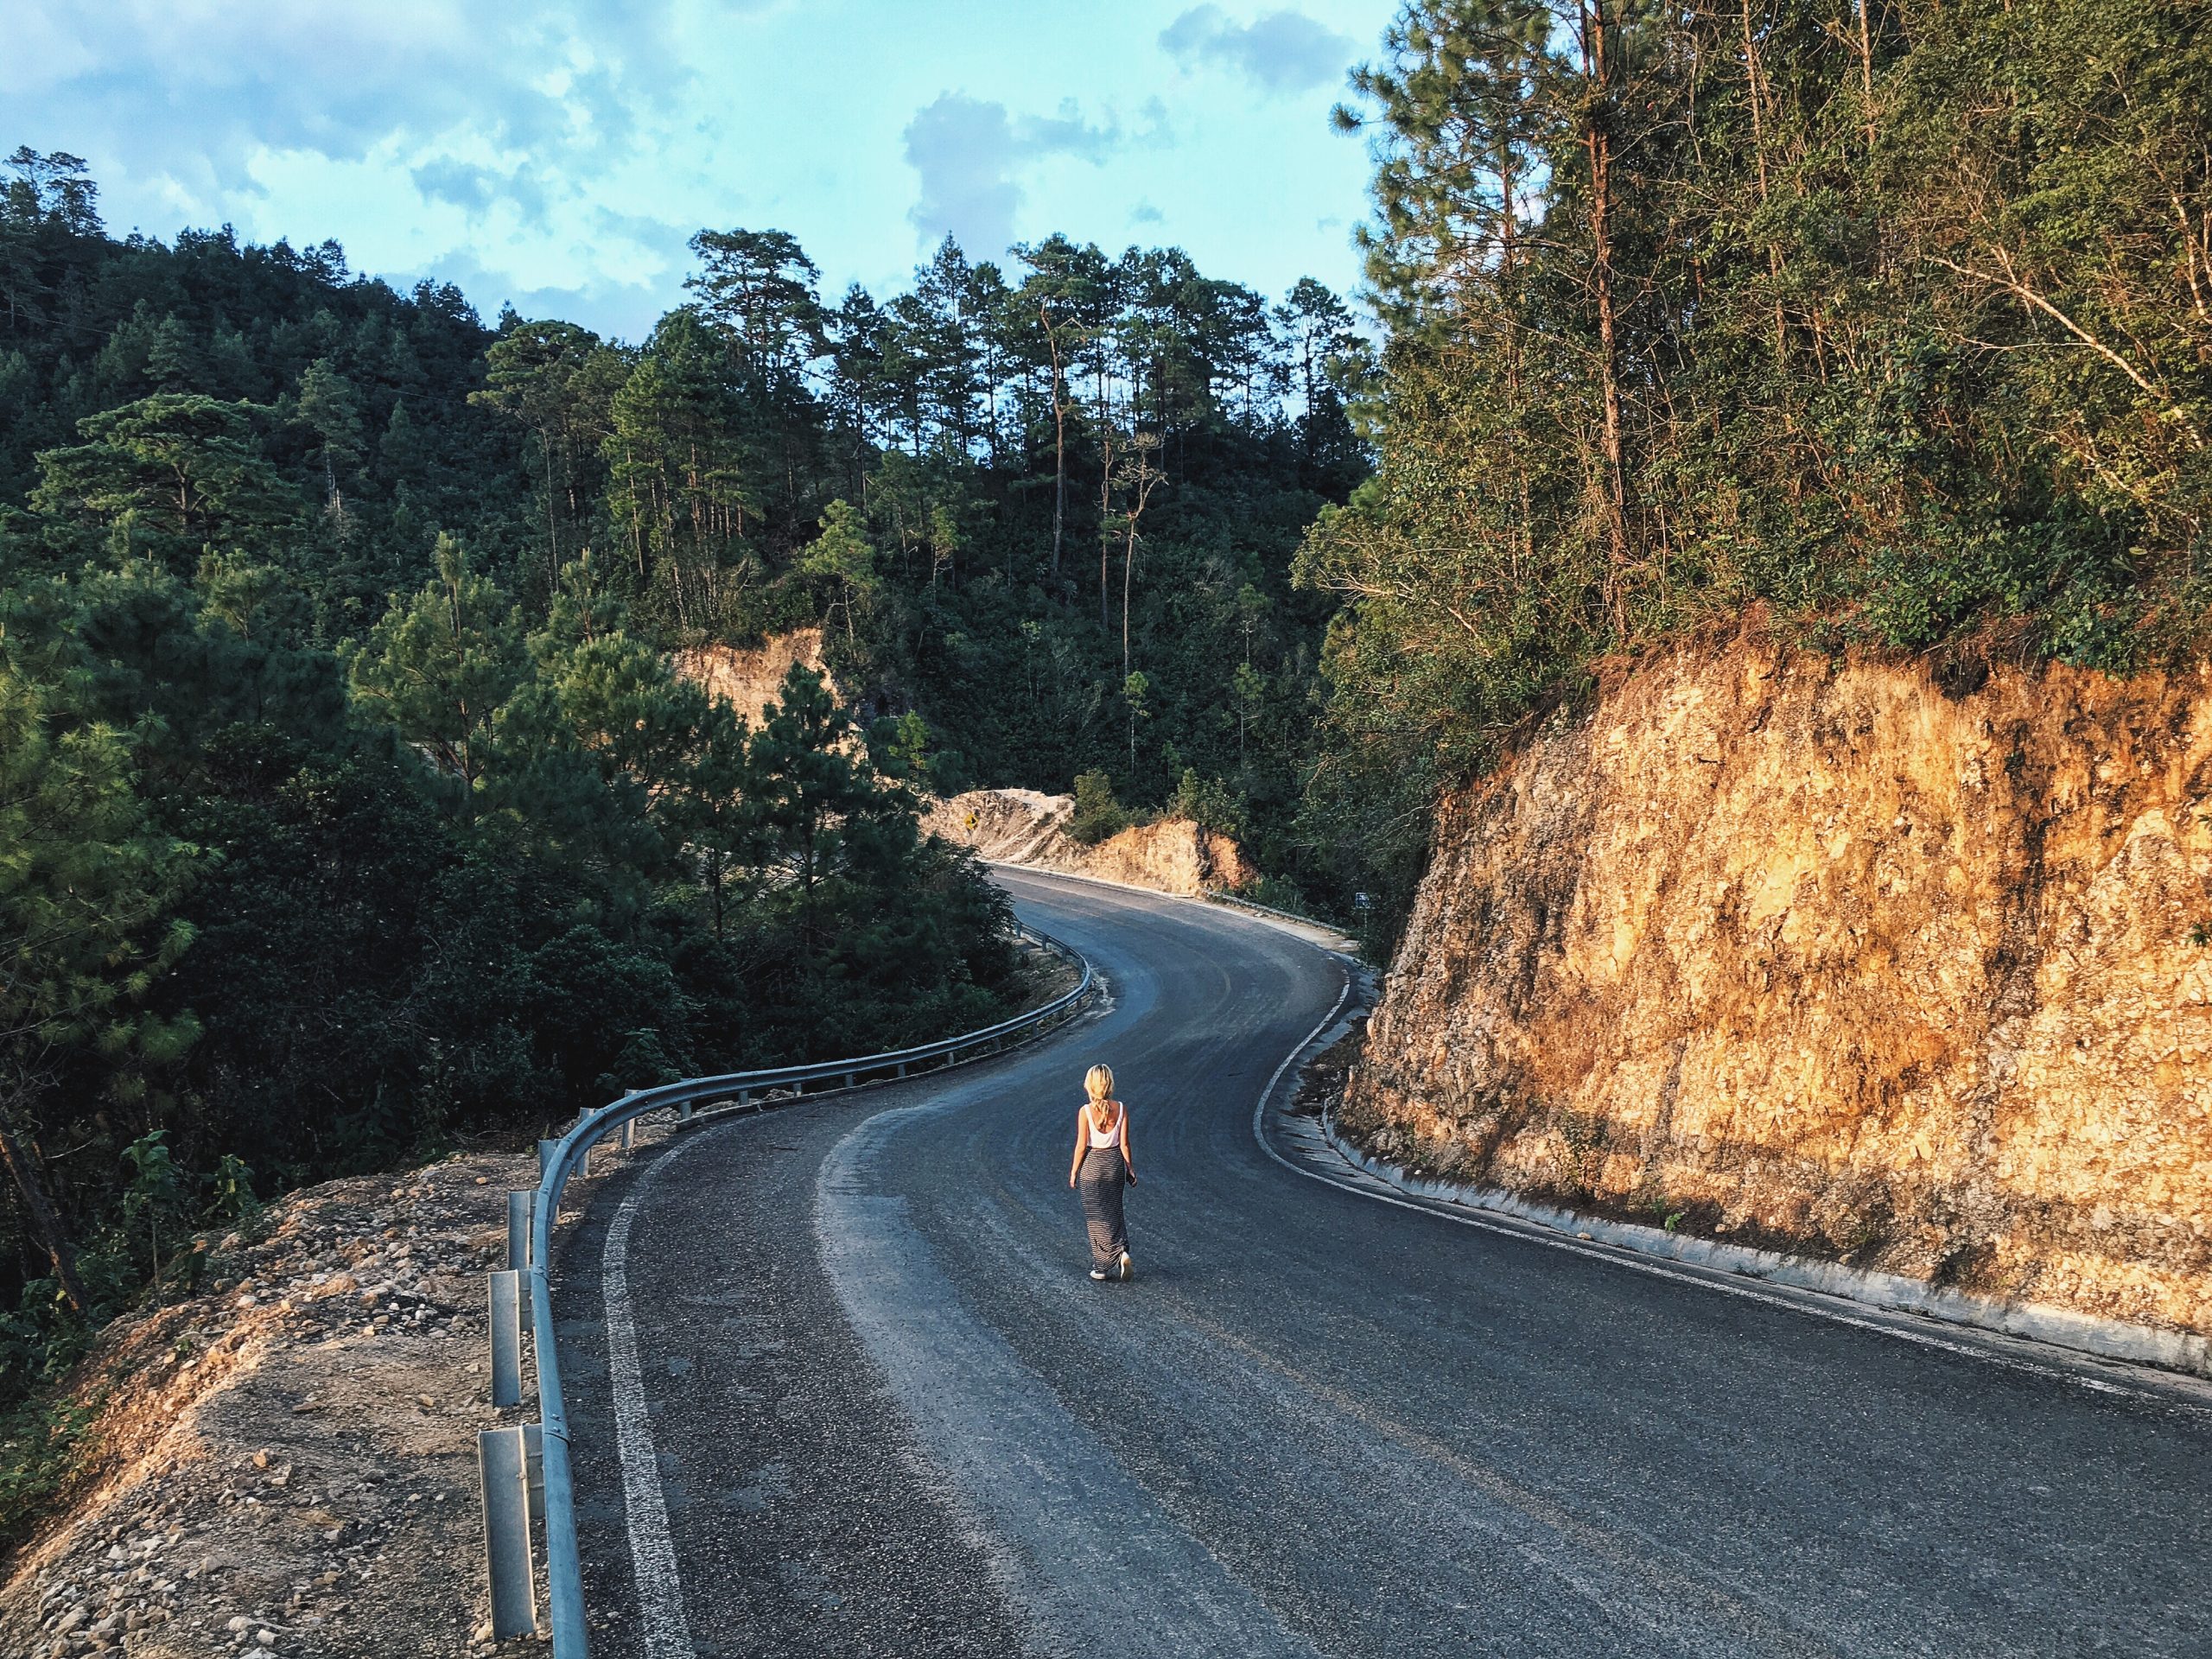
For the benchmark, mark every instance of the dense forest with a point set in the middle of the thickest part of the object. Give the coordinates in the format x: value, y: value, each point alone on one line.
x: 351, y: 806
x: 1888, y: 320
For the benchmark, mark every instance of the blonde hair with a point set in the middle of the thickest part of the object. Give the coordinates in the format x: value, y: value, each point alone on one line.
x: 1098, y: 1082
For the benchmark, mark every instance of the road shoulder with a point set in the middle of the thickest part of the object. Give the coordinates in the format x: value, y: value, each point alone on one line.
x: 803, y: 1519
x: 2100, y: 1355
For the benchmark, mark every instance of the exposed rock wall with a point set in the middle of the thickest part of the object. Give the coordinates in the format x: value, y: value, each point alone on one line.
x: 1821, y: 955
x: 1020, y: 826
x: 751, y: 677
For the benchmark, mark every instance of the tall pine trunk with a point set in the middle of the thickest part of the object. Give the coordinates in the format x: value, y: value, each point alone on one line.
x: 1105, y: 513
x: 1060, y: 442
x: 1598, y: 140
x: 50, y: 1235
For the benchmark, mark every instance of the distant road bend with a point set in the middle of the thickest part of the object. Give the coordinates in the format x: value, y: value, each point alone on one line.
x: 841, y: 1385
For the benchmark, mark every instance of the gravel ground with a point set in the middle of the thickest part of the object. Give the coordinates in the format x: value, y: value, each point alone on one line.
x: 287, y: 1464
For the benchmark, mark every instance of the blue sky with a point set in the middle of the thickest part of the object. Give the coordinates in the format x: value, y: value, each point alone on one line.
x: 559, y: 155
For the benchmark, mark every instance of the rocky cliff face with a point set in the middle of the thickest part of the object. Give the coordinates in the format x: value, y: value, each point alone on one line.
x: 1828, y: 956
x: 1020, y: 826
x: 751, y: 677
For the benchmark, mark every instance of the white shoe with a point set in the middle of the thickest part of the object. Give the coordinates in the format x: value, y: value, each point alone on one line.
x: 1125, y: 1267
x: 1099, y: 1272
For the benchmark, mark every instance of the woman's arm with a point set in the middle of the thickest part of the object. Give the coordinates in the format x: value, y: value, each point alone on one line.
x: 1076, y: 1165
x: 1128, y: 1162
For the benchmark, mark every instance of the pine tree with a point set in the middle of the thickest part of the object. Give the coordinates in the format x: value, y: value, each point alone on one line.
x: 440, y: 662
x: 187, y: 468
x: 328, y: 409
x: 842, y: 553
x: 546, y: 376
x: 86, y: 887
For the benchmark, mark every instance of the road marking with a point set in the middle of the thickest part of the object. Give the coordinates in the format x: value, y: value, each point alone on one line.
x: 1530, y: 1234
x: 665, y: 1633
x: 2176, y: 1393
x: 1267, y: 1092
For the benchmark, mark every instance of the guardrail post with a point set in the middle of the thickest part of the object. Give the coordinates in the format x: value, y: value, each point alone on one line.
x: 503, y: 1475
x: 849, y: 1076
x: 506, y: 1338
x: 522, y: 1209
x: 629, y: 1132
x: 545, y: 1157
x: 533, y: 1470
x: 902, y: 1068
x: 518, y: 1205
x: 684, y: 1112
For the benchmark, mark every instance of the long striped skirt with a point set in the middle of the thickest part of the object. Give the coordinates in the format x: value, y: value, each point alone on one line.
x: 1100, y: 1180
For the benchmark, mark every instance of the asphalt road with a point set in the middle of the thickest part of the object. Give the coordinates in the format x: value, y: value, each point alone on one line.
x: 883, y: 1410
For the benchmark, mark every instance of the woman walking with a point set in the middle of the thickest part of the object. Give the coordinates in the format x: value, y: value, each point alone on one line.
x: 1101, y: 1169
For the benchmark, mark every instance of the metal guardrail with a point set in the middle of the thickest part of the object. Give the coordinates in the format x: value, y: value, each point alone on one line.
x: 524, y: 1470
x: 1225, y: 896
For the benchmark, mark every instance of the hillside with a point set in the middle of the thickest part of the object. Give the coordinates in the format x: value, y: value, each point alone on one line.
x: 1020, y: 826
x: 749, y: 679
x: 286, y: 1462
x: 415, y: 727
x: 1836, y: 957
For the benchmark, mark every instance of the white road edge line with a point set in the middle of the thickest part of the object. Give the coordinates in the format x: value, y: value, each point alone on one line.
x: 1656, y: 1270
x: 663, y: 1627
x: 1267, y: 1093
x: 1534, y: 1234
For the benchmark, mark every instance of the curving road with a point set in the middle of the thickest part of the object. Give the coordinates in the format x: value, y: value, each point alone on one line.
x: 860, y: 1398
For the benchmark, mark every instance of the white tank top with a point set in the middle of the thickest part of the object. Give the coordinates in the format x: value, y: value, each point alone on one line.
x: 1111, y: 1136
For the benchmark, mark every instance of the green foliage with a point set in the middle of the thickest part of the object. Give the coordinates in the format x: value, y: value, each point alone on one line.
x: 440, y: 664
x: 842, y: 554
x: 232, y: 1199
x: 85, y: 885
x: 155, y: 1197
x: 180, y: 470
x: 1097, y: 815
x: 362, y: 616
x: 1897, y: 325
x: 1208, y: 802
x: 42, y: 1443
x: 904, y: 747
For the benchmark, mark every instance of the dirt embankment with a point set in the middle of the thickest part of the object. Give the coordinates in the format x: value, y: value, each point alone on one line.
x: 287, y: 1464
x: 1020, y: 826
x: 751, y: 677
x: 1829, y: 956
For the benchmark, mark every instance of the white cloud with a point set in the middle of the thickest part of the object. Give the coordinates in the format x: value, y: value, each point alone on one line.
x: 970, y: 154
x: 561, y: 153
x: 1282, y: 50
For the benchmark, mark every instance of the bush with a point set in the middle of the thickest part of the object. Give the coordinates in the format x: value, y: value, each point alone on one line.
x: 1208, y: 802
x: 1098, y: 813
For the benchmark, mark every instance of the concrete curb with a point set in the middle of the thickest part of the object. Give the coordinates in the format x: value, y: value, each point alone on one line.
x: 1344, y: 944
x: 2059, y: 1327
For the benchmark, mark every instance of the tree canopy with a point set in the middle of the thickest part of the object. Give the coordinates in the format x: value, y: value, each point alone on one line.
x: 1888, y: 317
